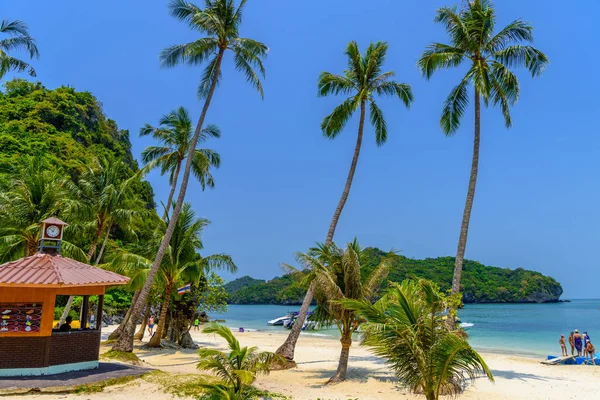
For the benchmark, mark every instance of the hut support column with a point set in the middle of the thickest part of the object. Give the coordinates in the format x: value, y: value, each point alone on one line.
x: 99, y: 312
x: 84, y: 312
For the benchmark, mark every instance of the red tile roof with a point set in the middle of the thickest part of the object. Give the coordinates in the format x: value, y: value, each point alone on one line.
x: 55, y: 221
x: 46, y: 269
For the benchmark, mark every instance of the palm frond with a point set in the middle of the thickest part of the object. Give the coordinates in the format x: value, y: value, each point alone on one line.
x: 209, y: 75
x: 515, y: 32
x: 333, y: 124
x: 522, y: 56
x: 334, y: 84
x: 454, y: 108
x: 378, y: 121
x: 439, y: 56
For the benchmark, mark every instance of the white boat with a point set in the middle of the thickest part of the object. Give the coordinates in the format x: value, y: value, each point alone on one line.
x: 280, y: 320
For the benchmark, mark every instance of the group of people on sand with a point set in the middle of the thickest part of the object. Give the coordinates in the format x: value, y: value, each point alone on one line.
x: 579, y: 342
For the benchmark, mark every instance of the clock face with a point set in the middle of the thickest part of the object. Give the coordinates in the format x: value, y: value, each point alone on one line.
x: 52, y: 231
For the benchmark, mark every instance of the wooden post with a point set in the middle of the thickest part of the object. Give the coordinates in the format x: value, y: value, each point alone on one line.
x: 99, y: 312
x: 84, y: 312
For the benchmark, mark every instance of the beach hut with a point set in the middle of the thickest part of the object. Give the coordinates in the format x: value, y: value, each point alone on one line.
x: 28, y: 288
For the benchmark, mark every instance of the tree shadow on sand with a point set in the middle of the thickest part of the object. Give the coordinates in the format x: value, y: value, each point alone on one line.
x: 355, y: 374
x: 513, y: 375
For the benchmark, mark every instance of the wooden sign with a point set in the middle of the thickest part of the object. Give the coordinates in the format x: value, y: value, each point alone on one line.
x: 20, y: 317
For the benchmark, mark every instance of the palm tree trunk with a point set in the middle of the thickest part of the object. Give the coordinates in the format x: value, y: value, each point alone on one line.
x: 65, y: 313
x: 464, y: 228
x: 346, y: 192
x: 172, y: 193
x: 125, y: 342
x: 286, y: 350
x: 31, y: 247
x: 95, y: 239
x: 115, y: 334
x: 140, y: 333
x: 342, y: 368
x: 162, y: 320
x: 103, y: 245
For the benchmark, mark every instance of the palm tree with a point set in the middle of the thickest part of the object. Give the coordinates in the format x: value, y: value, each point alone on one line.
x: 220, y: 21
x: 363, y: 81
x: 18, y: 39
x: 490, y: 57
x: 108, y: 199
x: 175, y: 133
x: 236, y: 370
x: 336, y: 276
x: 29, y: 195
x: 182, y: 263
x: 406, y: 328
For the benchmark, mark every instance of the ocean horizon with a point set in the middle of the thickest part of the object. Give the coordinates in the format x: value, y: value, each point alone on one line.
x: 530, y: 330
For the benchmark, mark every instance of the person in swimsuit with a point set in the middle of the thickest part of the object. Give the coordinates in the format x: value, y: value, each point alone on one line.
x: 572, y: 343
x: 578, y: 342
x: 589, y: 349
x: 150, y: 325
x: 586, y: 339
x: 563, y: 346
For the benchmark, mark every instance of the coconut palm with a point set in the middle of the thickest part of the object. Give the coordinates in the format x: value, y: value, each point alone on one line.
x: 363, y: 81
x: 108, y: 200
x: 175, y: 133
x: 406, y: 328
x: 236, y: 370
x: 182, y: 264
x: 29, y: 195
x: 336, y: 276
x: 220, y: 21
x: 18, y: 39
x: 489, y: 58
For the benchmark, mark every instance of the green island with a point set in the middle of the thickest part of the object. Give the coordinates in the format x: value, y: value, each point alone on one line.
x: 481, y: 283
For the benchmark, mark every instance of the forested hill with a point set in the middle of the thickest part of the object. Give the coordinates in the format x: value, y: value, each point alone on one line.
x: 67, y: 127
x: 481, y: 284
x: 59, y: 153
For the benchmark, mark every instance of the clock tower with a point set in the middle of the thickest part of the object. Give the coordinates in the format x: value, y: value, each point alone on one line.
x: 51, y: 235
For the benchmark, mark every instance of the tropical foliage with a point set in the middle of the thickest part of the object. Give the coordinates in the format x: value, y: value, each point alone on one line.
x: 363, y: 81
x: 236, y: 370
x: 337, y: 275
x: 174, y: 134
x: 407, y: 329
x: 481, y: 283
x: 182, y: 263
x: 220, y: 21
x: 18, y: 39
x: 489, y: 57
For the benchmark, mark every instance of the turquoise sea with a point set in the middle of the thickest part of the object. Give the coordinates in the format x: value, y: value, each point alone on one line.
x: 525, y: 329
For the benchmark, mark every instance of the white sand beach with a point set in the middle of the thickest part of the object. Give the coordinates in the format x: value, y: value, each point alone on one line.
x: 368, y: 377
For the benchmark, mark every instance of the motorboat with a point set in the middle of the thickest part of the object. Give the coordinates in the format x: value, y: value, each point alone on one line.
x: 282, y: 320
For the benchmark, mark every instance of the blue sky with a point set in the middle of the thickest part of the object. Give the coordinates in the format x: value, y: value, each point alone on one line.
x: 537, y: 197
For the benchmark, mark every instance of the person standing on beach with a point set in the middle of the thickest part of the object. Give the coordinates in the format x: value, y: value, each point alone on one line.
x: 196, y: 324
x: 563, y: 346
x: 151, y: 325
x: 572, y: 343
x: 586, y: 339
x: 578, y: 342
x: 589, y: 349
